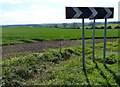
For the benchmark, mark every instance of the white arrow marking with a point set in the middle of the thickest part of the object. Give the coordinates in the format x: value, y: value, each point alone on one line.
x: 78, y: 12
x: 109, y: 12
x: 94, y: 12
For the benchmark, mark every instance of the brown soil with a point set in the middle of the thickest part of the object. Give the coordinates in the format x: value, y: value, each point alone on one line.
x: 10, y: 51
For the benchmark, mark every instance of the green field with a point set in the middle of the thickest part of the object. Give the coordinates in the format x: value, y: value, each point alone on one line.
x: 14, y: 35
x: 64, y: 67
x: 61, y: 66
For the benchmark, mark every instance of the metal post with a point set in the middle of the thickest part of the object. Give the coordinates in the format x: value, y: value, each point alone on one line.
x: 83, y: 44
x: 93, y: 55
x: 104, y: 49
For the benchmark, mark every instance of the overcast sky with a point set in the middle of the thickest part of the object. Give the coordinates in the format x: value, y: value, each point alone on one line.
x: 47, y: 11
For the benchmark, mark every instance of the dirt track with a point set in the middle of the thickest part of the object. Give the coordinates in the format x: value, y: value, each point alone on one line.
x: 16, y: 50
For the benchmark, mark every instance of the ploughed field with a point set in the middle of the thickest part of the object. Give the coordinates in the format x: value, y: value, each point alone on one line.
x: 16, y: 50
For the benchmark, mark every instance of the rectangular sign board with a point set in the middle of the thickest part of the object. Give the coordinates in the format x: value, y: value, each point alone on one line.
x: 89, y: 12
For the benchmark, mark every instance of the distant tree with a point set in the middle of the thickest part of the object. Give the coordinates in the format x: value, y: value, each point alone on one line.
x: 64, y: 25
x: 56, y: 26
x: 97, y: 28
x: 74, y: 25
x: 78, y: 27
x: 117, y: 27
x: 91, y: 24
x: 102, y: 27
x: 109, y: 27
x: 91, y: 28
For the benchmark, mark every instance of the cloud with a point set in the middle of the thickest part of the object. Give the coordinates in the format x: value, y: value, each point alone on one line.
x: 41, y: 7
x: 83, y: 3
x: 118, y: 11
x: 11, y: 1
x: 91, y: 3
x: 54, y: 1
x: 47, y: 13
x: 37, y: 14
x: 114, y: 1
x: 30, y: 1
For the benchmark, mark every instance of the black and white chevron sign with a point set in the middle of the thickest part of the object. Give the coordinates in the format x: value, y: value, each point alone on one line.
x: 89, y: 12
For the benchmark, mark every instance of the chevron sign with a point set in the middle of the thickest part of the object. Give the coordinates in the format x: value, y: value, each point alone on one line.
x: 89, y: 12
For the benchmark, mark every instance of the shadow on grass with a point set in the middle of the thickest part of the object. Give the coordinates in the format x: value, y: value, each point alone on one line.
x: 102, y: 74
x: 117, y: 78
x: 85, y: 73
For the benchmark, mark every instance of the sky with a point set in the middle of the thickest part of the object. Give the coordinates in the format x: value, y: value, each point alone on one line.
x: 47, y: 11
x: 119, y: 11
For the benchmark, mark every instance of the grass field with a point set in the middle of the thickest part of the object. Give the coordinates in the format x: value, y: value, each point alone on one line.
x: 14, y: 35
x: 64, y: 67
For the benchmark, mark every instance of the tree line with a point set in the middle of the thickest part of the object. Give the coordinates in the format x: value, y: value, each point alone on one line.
x: 78, y: 26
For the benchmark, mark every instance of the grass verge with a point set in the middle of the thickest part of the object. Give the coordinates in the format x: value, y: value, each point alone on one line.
x: 63, y: 67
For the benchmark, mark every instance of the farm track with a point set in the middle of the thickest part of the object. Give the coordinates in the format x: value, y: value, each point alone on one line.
x: 10, y: 51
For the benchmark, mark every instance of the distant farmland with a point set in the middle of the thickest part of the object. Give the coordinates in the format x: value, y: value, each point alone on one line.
x: 14, y: 35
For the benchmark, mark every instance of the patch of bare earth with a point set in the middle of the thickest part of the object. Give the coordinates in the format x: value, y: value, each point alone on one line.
x: 10, y: 51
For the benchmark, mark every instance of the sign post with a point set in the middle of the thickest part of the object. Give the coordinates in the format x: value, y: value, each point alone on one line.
x: 93, y: 54
x: 91, y: 13
x: 104, y: 49
x: 83, y: 44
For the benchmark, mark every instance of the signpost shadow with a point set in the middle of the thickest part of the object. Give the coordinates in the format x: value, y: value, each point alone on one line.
x: 102, y: 74
x: 86, y: 76
x: 117, y: 78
